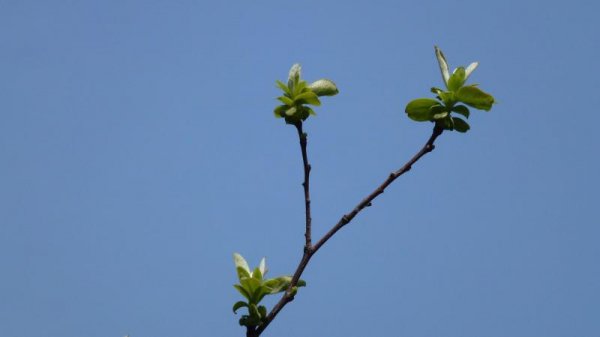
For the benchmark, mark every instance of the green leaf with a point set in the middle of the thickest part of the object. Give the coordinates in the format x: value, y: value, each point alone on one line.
x: 242, y: 273
x: 462, y: 110
x: 460, y: 125
x: 303, y: 112
x: 447, y: 97
x: 324, y: 87
x: 283, y: 87
x: 475, y: 97
x: 308, y: 97
x: 241, y: 262
x: 448, y: 123
x: 440, y: 115
x: 253, y: 310
x: 300, y: 87
x: 259, y: 294
x: 443, y: 65
x: 457, y: 79
x: 262, y: 310
x: 256, y: 274
x: 286, y: 100
x: 278, y: 284
x: 250, y: 285
x: 239, y: 304
x: 291, y: 111
x: 436, y: 91
x: 301, y: 283
x: 310, y: 111
x: 242, y: 291
x: 280, y: 111
x: 420, y: 109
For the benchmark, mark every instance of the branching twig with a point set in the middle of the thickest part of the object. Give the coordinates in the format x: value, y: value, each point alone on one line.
x: 309, y: 249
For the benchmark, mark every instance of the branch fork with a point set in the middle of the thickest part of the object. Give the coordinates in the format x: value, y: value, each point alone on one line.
x: 311, y: 249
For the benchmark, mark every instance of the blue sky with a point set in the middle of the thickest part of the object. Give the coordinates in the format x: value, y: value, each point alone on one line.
x: 139, y: 151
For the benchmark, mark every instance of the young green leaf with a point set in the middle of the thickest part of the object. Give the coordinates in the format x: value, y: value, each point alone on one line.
x: 283, y: 87
x: 241, y: 272
x: 242, y: 291
x: 258, y: 294
x: 256, y: 274
x: 253, y: 310
x: 250, y: 285
x: 308, y: 97
x: 457, y: 79
x: 475, y: 97
x: 443, y: 64
x: 420, y: 109
x: 291, y: 111
x: 440, y: 115
x: 238, y: 305
x: 262, y: 310
x: 263, y: 266
x: 460, y: 125
x: 241, y: 262
x: 278, y: 284
x: 462, y: 110
x: 324, y: 87
x: 470, y: 69
x: 294, y: 75
x: 280, y: 111
x: 286, y: 100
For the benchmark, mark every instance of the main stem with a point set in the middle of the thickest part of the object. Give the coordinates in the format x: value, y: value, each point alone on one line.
x: 309, y: 249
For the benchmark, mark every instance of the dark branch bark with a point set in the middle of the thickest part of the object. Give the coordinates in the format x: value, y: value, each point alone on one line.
x: 310, y: 250
x: 428, y: 147
x: 306, y: 184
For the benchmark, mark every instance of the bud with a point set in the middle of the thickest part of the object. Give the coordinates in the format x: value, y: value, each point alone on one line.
x: 324, y: 87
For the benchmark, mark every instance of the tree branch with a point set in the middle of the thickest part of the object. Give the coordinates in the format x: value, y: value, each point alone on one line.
x: 306, y: 184
x: 310, y: 250
x: 366, y: 202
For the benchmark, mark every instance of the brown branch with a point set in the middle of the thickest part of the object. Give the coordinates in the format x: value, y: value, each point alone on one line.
x: 309, y: 250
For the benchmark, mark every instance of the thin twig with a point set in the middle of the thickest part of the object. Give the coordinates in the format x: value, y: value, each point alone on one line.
x: 309, y: 250
x: 306, y: 184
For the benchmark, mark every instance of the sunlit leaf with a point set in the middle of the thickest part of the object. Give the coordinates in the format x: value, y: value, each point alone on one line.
x: 444, y: 69
x: 263, y: 266
x: 308, y: 97
x: 475, y: 97
x: 286, y: 100
x: 457, y: 79
x: 283, y: 87
x: 470, y: 69
x: 420, y: 109
x: 242, y: 291
x: 241, y: 262
x: 256, y: 274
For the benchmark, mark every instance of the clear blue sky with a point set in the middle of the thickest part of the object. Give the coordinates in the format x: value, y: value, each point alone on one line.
x: 139, y: 151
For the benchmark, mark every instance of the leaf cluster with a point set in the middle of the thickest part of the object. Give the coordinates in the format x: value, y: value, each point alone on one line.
x: 298, y: 94
x: 440, y: 109
x: 254, y: 287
